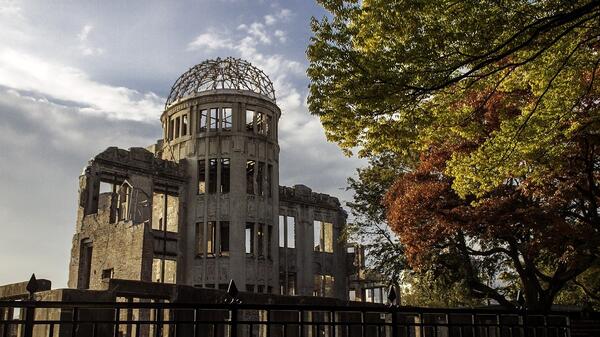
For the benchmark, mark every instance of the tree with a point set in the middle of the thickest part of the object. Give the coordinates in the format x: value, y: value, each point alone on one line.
x: 498, y: 101
x: 385, y: 254
x: 519, y: 232
x: 385, y: 75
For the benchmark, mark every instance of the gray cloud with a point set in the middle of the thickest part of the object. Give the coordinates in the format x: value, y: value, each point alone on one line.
x: 45, y: 146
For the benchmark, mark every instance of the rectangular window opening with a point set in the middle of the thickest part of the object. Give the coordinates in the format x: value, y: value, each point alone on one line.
x: 184, y: 125
x: 281, y: 231
x: 250, y: 120
x: 169, y: 271
x: 171, y: 129
x: 227, y: 119
x: 250, y: 164
x: 260, y: 237
x: 291, y: 232
x: 177, y: 127
x: 212, y: 176
x: 202, y: 120
x: 224, y: 238
x: 225, y: 175
x: 260, y: 123
x: 328, y: 237
x: 249, y: 238
x: 214, y: 119
x: 259, y: 178
x: 107, y: 273
x: 317, y: 236
x: 201, y: 177
x: 210, y: 237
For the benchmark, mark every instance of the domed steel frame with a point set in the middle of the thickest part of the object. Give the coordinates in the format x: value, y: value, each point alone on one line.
x: 229, y: 73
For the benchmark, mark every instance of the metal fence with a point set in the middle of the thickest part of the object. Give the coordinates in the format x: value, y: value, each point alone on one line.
x: 158, y: 318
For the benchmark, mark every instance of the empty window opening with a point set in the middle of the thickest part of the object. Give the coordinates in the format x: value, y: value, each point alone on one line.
x: 259, y: 178
x: 184, y: 125
x: 177, y: 127
x: 250, y: 164
x: 225, y: 175
x: 201, y: 176
x: 287, y: 284
x: 269, y: 125
x: 260, y: 123
x: 85, y: 264
x: 227, y: 120
x: 107, y: 200
x: 107, y: 273
x: 250, y: 288
x: 158, y: 212
x: 203, y: 117
x: 323, y: 236
x: 269, y: 186
x: 260, y: 237
x: 281, y: 231
x: 171, y: 129
x: 106, y: 187
x: 250, y: 120
x: 211, y: 237
x: 260, y: 288
x: 212, y: 176
x: 291, y: 232
x: 124, y: 200
x: 287, y: 231
x: 224, y: 237
x: 323, y: 285
x: 214, y: 119
x: 249, y: 238
x: 164, y: 270
x: 352, y: 295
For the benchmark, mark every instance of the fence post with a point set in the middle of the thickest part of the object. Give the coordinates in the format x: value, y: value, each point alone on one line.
x: 233, y: 292
x: 393, y: 309
x: 234, y: 320
x: 32, y: 287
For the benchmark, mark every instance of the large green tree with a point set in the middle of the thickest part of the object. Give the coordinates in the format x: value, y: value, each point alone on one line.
x: 389, y: 75
x: 508, y: 91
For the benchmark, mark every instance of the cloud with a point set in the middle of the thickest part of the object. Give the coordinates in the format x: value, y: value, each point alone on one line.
x: 44, y: 147
x: 257, y: 31
x: 85, y: 31
x: 281, y: 35
x: 210, y: 40
x: 283, y: 15
x: 84, y: 44
x: 22, y: 71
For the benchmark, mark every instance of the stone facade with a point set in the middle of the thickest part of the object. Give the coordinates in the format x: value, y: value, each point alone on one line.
x: 203, y: 205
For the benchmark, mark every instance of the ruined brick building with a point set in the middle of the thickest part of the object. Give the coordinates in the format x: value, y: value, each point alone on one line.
x: 203, y: 205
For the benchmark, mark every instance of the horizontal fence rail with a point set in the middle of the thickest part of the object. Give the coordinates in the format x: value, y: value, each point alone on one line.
x: 158, y: 318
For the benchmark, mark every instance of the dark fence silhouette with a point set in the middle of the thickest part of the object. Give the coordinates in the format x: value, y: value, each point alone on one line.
x: 158, y: 318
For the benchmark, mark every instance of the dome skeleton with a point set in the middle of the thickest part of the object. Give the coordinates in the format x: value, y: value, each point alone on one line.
x: 228, y: 73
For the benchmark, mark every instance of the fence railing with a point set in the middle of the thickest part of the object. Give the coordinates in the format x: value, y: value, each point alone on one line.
x: 159, y: 318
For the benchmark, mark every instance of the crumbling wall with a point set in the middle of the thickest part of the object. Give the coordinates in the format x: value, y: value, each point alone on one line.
x: 114, y: 236
x: 303, y: 262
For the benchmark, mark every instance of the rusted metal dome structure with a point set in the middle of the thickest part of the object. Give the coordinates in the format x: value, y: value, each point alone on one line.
x: 229, y: 73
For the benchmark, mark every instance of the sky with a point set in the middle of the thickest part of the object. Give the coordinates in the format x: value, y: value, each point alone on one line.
x: 79, y: 76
